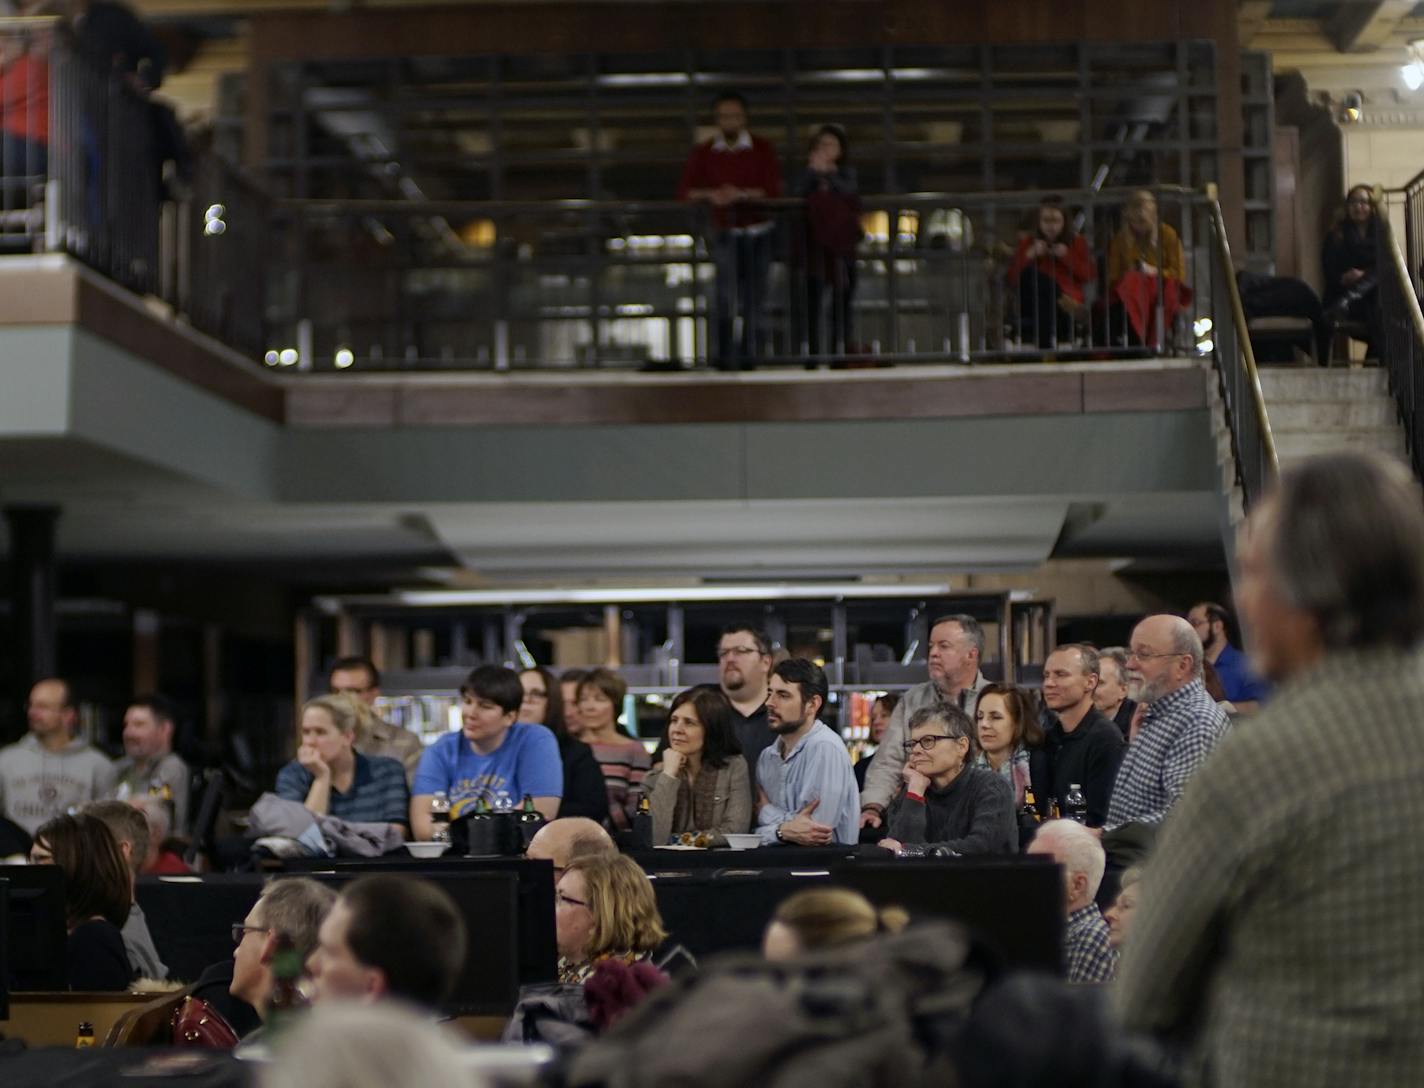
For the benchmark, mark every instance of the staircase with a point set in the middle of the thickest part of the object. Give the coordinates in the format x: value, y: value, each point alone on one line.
x: 1316, y: 411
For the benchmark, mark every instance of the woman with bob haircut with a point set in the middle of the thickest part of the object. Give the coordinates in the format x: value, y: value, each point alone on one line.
x: 98, y: 893
x: 624, y: 760
x: 701, y: 783
x: 604, y: 910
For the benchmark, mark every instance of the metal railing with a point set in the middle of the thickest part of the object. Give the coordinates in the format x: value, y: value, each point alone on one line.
x: 667, y: 285
x: 1400, y: 323
x: 1252, y: 442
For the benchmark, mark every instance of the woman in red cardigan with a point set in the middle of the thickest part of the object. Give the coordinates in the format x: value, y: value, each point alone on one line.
x: 1051, y: 268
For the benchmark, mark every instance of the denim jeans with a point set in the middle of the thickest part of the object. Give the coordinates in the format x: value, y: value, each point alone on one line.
x: 742, y: 262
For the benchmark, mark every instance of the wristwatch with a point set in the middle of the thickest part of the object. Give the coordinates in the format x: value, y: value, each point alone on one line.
x: 779, y: 836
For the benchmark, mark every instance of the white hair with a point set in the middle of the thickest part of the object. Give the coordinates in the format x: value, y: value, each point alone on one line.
x: 1076, y: 849
x: 155, y: 811
x: 1185, y: 640
x: 345, y: 1045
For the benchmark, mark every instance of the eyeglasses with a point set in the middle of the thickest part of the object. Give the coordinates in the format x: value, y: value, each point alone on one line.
x: 536, y: 695
x: 737, y: 651
x: 1146, y: 655
x: 239, y: 931
x: 568, y: 901
x: 928, y: 741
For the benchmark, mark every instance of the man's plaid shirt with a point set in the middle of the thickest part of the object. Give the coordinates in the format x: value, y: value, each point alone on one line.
x: 1085, y: 946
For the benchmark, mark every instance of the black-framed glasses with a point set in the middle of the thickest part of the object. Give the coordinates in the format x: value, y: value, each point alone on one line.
x: 928, y: 741
x: 736, y: 651
x: 239, y: 930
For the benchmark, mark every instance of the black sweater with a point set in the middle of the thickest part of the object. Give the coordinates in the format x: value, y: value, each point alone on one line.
x: 584, y: 791
x: 974, y: 814
x: 97, y: 959
x: 1088, y: 756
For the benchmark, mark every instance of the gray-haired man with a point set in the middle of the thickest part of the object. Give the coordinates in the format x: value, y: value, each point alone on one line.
x: 955, y: 650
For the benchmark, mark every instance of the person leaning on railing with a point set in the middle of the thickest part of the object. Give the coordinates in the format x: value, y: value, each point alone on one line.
x: 1146, y: 270
x: 832, y: 231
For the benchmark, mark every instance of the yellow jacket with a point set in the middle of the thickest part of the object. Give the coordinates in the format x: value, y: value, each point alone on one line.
x: 1124, y: 252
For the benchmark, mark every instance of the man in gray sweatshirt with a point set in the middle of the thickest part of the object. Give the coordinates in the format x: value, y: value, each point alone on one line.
x: 49, y: 771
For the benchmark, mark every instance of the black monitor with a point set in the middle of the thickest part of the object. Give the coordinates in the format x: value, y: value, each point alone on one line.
x: 36, y: 938
x: 1014, y: 905
x: 4, y: 931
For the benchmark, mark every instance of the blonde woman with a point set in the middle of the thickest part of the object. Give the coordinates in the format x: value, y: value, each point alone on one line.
x: 604, y: 910
x: 825, y: 918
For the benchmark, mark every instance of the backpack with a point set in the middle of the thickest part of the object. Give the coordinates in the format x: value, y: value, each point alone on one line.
x: 881, y: 1012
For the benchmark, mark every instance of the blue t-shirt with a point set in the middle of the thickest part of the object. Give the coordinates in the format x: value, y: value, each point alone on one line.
x: 527, y: 761
x: 1237, y: 680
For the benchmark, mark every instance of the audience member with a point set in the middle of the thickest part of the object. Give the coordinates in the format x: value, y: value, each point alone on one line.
x: 1087, y: 953
x: 624, y: 761
x: 367, y: 1046
x: 24, y: 107
x: 1081, y: 747
x: 955, y: 651
x: 1348, y: 261
x: 493, y: 754
x: 150, y: 766
x: 1051, y: 267
x: 817, y: 918
x: 805, y: 787
x: 50, y: 771
x: 130, y: 830
x: 291, y: 907
x: 331, y: 778
x: 880, y: 712
x: 1279, y: 937
x: 359, y: 677
x: 700, y: 782
x: 160, y: 858
x: 1179, y: 722
x: 743, y: 664
x: 1007, y: 730
x: 1110, y: 696
x: 1146, y: 271
x: 1240, y: 686
x: 1119, y: 915
x: 948, y: 803
x: 389, y: 936
x: 569, y: 681
x: 584, y: 791
x: 98, y: 893
x: 831, y: 233
x: 605, y: 910
x: 567, y: 839
x: 727, y: 171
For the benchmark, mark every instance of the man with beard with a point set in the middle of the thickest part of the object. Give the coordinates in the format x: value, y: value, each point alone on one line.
x: 806, y: 788
x: 1180, y: 727
x: 743, y: 663
x: 1081, y: 747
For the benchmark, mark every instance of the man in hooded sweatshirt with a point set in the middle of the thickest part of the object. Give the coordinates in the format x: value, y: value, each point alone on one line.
x: 49, y: 771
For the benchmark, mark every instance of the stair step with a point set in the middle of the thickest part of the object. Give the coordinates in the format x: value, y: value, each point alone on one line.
x: 1313, y: 415
x: 1316, y: 384
x: 1293, y: 445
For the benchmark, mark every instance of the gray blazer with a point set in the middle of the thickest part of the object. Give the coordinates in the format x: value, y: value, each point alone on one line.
x: 732, y: 814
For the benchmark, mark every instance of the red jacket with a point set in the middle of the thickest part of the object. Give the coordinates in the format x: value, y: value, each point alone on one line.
x: 755, y: 167
x: 1071, y: 272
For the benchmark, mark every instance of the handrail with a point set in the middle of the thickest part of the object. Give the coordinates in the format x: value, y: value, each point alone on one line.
x: 1400, y: 328
x: 1250, y: 383
x: 1406, y: 284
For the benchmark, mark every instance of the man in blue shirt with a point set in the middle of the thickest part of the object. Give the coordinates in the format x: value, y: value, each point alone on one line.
x: 806, y: 791
x: 1244, y: 689
x: 491, y: 754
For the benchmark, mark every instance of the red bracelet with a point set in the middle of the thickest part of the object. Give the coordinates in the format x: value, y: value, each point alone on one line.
x: 914, y: 797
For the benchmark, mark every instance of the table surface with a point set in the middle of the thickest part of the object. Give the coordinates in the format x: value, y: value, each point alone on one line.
x: 100, y: 1067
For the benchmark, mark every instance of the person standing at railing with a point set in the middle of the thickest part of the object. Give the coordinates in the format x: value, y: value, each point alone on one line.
x: 1050, y: 268
x: 832, y: 231
x: 731, y: 169
x: 1146, y: 270
x: 1348, y: 257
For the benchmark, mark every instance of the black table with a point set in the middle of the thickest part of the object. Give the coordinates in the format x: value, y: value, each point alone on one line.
x: 99, y: 1067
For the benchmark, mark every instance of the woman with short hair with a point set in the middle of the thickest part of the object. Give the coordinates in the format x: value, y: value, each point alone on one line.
x: 700, y: 782
x: 604, y: 910
x: 98, y: 893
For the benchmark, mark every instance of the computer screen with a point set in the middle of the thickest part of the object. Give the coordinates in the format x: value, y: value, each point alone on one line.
x: 36, y: 937
x: 1013, y: 905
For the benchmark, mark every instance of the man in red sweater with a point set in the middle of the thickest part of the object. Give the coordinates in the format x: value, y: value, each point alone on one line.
x: 727, y: 172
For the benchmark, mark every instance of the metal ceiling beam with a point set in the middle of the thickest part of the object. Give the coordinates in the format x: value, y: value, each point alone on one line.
x: 1365, y: 25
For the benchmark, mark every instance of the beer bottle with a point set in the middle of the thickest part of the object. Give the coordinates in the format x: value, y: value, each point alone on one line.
x: 439, y: 817
x: 1030, y: 806
x: 84, y: 1038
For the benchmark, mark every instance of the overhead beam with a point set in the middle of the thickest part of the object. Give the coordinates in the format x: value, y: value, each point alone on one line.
x: 1365, y: 25
x: 1251, y: 16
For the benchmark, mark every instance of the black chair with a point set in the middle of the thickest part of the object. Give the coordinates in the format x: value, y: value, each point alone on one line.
x: 14, y: 839
x: 206, y: 818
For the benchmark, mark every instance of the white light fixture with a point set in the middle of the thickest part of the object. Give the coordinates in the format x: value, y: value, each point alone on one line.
x: 345, y: 357
x: 288, y: 357
x: 1413, y: 72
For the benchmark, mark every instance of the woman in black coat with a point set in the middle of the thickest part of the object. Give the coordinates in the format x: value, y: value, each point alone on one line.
x: 584, y: 791
x: 1348, y: 260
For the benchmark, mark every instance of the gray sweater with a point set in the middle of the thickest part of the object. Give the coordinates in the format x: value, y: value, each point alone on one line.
x: 37, y: 784
x: 974, y: 814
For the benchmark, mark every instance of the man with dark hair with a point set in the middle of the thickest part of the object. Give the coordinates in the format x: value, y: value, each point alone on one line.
x: 50, y: 771
x: 1244, y: 690
x: 130, y: 831
x: 743, y: 664
x: 389, y: 936
x: 150, y: 766
x: 806, y: 788
x: 956, y: 649
x: 359, y: 677
x: 569, y: 681
x: 492, y: 754
x: 1278, y: 935
x: 1081, y: 747
x: 732, y: 168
